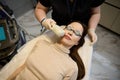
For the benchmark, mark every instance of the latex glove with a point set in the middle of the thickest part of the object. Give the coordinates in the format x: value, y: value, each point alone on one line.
x: 47, y: 22
x: 92, y: 35
x: 63, y: 26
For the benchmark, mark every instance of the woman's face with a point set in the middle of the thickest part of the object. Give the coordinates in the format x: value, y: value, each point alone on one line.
x: 73, y: 33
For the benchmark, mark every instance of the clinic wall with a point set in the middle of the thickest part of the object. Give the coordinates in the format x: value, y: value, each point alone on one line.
x: 110, y: 15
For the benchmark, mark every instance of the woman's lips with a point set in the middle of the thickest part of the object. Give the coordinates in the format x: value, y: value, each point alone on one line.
x: 67, y: 37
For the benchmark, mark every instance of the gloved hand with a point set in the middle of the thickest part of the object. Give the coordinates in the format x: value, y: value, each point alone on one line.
x: 47, y: 23
x: 63, y: 26
x: 92, y: 35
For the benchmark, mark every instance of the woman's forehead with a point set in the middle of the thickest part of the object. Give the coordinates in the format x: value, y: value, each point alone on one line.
x: 76, y: 25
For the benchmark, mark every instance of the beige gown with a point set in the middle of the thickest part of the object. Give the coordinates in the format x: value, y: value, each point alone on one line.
x: 55, y: 66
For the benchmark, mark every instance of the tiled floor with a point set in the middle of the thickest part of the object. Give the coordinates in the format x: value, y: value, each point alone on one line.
x: 106, y: 55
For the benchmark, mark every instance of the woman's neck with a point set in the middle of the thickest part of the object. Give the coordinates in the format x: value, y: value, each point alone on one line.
x: 66, y: 46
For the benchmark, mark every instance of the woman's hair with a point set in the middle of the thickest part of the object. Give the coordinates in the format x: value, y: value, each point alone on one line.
x: 75, y: 56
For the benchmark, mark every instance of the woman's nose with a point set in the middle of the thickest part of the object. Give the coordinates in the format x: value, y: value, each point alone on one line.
x: 70, y: 32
